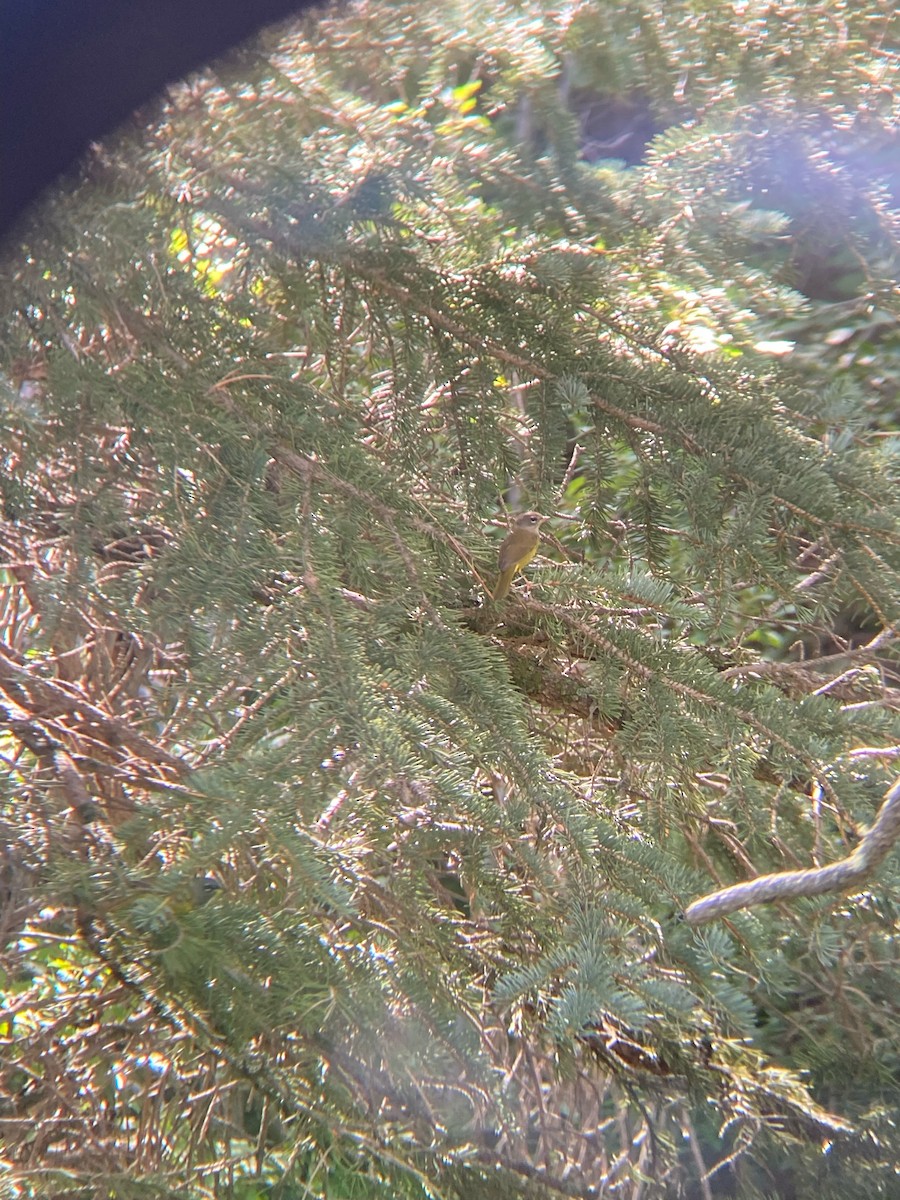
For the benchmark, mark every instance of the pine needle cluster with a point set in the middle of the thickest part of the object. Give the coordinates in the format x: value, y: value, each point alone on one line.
x: 326, y: 876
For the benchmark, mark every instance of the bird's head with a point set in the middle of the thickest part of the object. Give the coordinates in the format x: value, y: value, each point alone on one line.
x: 531, y: 521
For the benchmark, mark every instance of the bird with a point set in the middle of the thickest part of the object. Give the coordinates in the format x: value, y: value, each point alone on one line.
x: 517, y: 550
x: 152, y: 910
x: 193, y: 894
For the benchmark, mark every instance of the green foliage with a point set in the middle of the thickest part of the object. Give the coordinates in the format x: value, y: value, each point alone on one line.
x: 274, y: 370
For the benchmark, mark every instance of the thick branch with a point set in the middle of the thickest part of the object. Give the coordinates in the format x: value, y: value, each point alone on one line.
x: 813, y: 882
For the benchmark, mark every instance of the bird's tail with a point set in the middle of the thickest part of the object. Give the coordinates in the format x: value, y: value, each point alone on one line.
x: 504, y: 583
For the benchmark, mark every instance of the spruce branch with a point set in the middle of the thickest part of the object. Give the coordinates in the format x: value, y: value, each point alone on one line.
x: 686, y: 691
x: 52, y: 755
x: 519, y: 362
x: 815, y: 881
x: 46, y: 697
x: 802, y: 668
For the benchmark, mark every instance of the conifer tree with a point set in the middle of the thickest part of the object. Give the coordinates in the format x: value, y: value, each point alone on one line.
x: 325, y: 874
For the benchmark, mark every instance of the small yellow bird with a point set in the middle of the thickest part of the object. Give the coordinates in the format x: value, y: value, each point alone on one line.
x: 517, y: 550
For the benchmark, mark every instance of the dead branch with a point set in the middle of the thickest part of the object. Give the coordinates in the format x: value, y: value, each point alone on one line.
x: 786, y: 885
